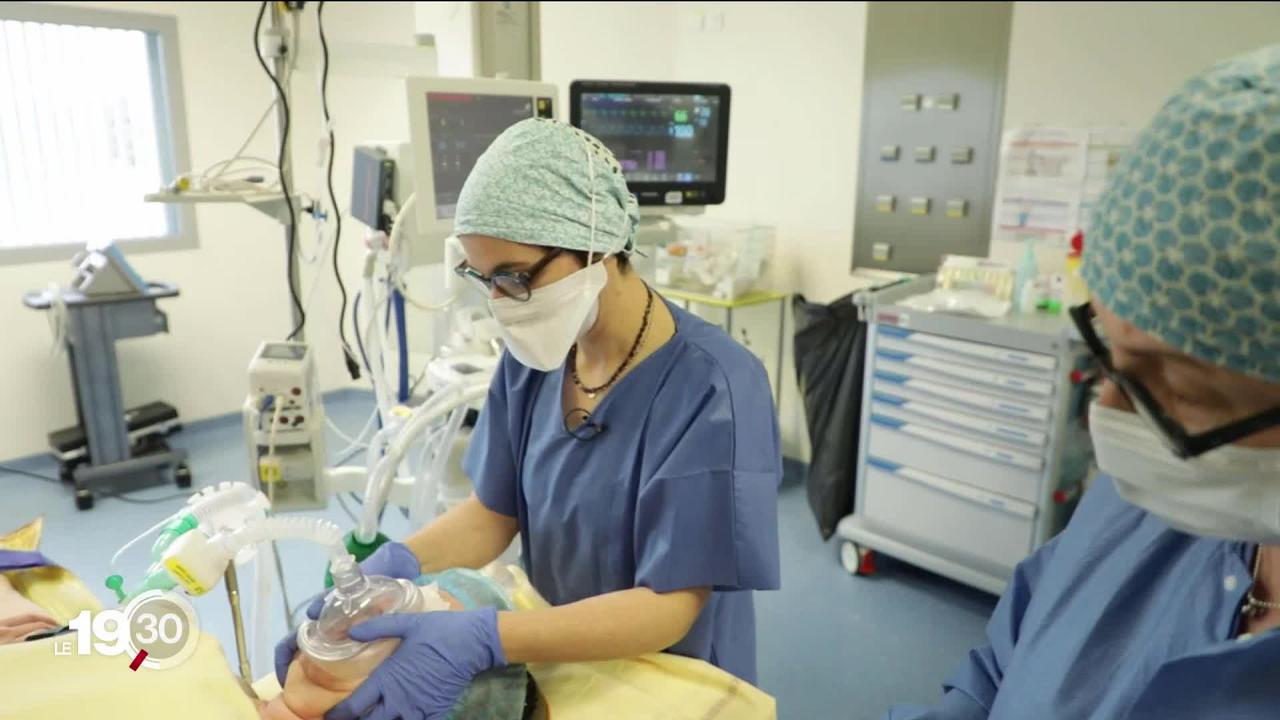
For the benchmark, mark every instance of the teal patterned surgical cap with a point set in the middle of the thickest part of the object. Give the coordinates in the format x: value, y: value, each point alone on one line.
x: 535, y: 185
x: 1186, y: 239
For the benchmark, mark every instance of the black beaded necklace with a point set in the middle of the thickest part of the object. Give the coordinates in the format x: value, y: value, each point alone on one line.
x: 635, y: 347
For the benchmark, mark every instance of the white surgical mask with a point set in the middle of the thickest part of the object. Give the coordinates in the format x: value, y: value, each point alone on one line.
x: 1231, y: 492
x: 540, y: 331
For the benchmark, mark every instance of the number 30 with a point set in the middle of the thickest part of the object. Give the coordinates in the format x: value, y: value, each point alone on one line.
x: 153, y: 629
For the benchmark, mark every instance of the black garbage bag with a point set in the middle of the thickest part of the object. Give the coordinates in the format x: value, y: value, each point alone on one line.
x: 830, y: 344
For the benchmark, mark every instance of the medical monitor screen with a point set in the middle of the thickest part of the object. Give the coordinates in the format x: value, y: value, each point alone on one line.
x: 462, y: 126
x: 668, y: 138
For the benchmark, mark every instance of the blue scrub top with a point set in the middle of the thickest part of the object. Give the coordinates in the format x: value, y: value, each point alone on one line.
x: 679, y: 491
x: 1120, y: 616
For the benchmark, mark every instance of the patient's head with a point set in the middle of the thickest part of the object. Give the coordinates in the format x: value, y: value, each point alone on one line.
x: 311, y: 689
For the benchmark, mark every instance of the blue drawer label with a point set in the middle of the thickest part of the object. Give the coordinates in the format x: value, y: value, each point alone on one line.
x: 891, y: 377
x: 887, y: 398
x: 1011, y: 433
x: 883, y: 464
x: 894, y: 331
x: 893, y: 355
x: 886, y: 421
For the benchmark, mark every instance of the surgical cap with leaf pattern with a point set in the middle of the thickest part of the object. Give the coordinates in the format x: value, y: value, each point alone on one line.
x: 545, y: 183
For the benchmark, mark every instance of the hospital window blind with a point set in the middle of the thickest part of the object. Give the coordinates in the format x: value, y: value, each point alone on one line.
x: 85, y: 132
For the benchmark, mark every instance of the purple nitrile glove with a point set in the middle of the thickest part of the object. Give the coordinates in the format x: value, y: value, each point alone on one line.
x: 21, y: 560
x: 440, y: 653
x: 393, y: 559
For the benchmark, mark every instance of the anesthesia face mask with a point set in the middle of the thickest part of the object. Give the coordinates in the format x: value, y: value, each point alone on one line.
x: 356, y: 598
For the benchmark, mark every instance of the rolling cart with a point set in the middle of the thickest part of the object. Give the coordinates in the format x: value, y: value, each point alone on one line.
x: 110, y: 445
x: 971, y: 453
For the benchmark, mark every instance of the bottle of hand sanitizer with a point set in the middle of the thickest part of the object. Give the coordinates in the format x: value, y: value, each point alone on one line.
x: 1024, y: 282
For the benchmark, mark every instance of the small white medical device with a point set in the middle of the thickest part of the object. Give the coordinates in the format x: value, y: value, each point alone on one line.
x: 284, y: 425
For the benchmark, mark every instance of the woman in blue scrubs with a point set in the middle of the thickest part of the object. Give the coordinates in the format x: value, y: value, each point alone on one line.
x: 632, y: 445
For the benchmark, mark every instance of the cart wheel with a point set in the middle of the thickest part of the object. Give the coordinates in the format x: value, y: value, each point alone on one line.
x: 84, y: 500
x: 67, y: 473
x: 856, y: 559
x: 182, y: 476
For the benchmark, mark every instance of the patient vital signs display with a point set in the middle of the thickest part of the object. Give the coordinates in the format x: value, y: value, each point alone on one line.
x: 672, y: 139
x: 657, y: 137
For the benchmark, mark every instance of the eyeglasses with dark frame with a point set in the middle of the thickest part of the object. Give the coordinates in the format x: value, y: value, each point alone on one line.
x: 515, y: 284
x: 1174, y: 435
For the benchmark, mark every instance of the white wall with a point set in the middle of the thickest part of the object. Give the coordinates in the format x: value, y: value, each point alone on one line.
x: 796, y: 73
x: 1115, y: 63
x: 233, y: 291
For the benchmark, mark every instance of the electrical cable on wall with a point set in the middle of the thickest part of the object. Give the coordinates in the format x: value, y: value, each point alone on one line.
x: 214, y: 178
x: 352, y: 366
x: 284, y: 183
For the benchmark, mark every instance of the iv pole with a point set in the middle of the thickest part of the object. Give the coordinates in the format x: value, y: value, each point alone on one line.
x: 280, y: 63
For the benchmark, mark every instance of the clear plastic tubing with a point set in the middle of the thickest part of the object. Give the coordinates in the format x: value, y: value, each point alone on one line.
x: 384, y: 469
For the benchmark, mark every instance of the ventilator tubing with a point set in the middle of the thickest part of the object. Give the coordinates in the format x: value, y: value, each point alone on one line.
x: 384, y: 472
x: 279, y: 527
x: 202, y: 506
x: 316, y: 530
x: 226, y: 496
x: 375, y: 334
x: 264, y: 578
x: 435, y: 457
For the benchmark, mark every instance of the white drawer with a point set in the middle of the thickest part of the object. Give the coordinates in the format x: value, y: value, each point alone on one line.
x: 975, y: 426
x: 950, y: 359
x: 1030, y: 409
x: 923, y: 342
x: 947, y: 514
x: 983, y: 465
x: 939, y: 369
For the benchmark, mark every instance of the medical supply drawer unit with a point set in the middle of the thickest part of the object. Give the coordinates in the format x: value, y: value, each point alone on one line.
x: 971, y: 451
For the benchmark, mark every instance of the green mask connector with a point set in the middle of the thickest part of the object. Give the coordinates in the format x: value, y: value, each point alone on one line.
x: 115, y: 584
x: 359, y: 550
